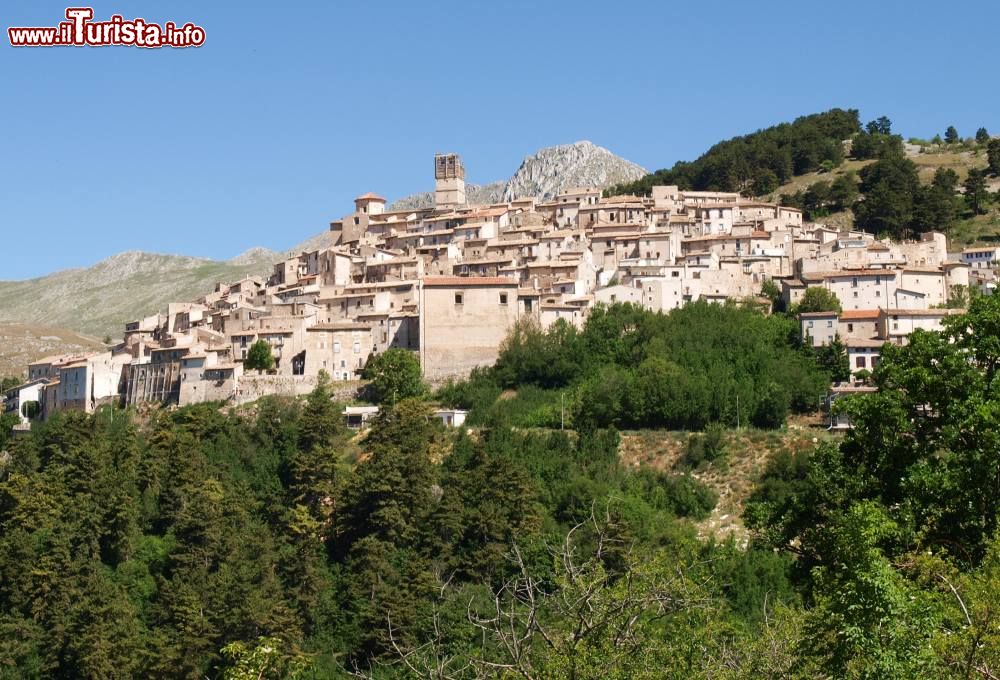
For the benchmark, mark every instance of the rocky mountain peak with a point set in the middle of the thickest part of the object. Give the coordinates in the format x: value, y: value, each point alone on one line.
x: 545, y: 173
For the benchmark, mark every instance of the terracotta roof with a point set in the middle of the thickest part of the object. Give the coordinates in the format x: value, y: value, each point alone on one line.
x: 469, y: 281
x: 860, y: 314
x: 370, y: 197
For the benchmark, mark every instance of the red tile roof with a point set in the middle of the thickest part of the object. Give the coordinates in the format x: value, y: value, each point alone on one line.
x: 859, y: 314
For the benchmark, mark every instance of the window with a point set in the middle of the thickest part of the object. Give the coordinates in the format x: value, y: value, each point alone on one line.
x: 829, y: 324
x: 878, y: 293
x: 854, y: 282
x: 503, y: 298
x: 859, y: 362
x: 810, y: 324
x: 855, y: 293
x: 458, y: 298
x: 850, y: 328
x: 357, y: 348
x: 336, y: 346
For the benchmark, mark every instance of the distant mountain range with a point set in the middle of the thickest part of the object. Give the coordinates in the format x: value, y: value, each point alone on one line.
x: 99, y: 300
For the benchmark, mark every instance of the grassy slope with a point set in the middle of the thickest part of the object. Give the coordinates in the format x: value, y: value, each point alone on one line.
x: 982, y: 229
x: 748, y: 452
x: 20, y: 344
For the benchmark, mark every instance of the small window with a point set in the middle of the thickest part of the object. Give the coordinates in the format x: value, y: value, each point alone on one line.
x: 859, y: 362
x: 850, y: 328
x: 854, y: 282
x: 458, y: 298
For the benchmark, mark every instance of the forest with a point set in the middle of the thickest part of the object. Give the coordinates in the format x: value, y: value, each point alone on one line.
x: 760, y: 162
x: 268, y: 541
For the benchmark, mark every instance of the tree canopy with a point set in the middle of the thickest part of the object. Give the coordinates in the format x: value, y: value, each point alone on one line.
x: 259, y: 357
x: 759, y: 162
x: 395, y: 375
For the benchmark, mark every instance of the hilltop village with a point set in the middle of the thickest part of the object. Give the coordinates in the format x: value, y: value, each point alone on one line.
x: 449, y: 281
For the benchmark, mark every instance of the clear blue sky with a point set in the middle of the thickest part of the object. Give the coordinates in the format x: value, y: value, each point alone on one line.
x: 290, y: 109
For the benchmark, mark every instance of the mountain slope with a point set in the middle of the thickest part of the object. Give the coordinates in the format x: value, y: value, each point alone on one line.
x: 545, y: 174
x: 20, y: 344
x: 100, y: 299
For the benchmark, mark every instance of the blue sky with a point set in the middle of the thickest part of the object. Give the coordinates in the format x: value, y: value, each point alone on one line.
x: 289, y: 110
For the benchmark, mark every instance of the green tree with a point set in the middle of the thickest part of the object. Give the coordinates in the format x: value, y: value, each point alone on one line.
x: 993, y: 157
x: 951, y: 135
x: 269, y: 657
x: 321, y: 420
x: 982, y: 136
x: 976, y: 191
x: 817, y: 198
x: 259, y: 357
x: 869, y: 621
x: 936, y: 205
x: 833, y: 359
x: 890, y: 187
x: 395, y: 375
x: 765, y: 182
x: 844, y: 191
x: 880, y: 126
x: 817, y: 299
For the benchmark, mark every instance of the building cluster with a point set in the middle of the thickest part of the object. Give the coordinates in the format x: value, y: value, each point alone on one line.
x: 447, y: 282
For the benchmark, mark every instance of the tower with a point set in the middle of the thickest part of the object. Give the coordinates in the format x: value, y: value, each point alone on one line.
x: 449, y: 181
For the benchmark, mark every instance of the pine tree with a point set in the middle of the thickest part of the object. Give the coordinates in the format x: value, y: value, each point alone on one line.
x: 976, y: 192
x: 993, y: 157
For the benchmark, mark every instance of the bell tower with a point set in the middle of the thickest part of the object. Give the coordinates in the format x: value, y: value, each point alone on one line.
x: 449, y: 181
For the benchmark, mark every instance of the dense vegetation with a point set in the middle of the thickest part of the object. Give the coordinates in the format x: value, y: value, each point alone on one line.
x: 631, y: 368
x: 269, y: 542
x: 887, y: 196
x: 758, y: 163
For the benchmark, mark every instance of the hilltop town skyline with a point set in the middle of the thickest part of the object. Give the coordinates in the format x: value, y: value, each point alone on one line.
x: 266, y: 128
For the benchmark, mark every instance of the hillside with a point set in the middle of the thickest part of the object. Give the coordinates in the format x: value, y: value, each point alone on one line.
x: 546, y: 173
x: 98, y: 300
x: 928, y: 159
x: 21, y: 343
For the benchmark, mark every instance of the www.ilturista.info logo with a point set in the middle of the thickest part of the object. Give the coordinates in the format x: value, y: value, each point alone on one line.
x: 79, y: 31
